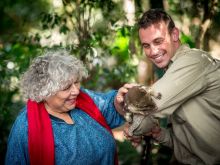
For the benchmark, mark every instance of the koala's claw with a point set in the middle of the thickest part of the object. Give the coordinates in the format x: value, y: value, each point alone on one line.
x: 128, y: 117
x: 138, y: 104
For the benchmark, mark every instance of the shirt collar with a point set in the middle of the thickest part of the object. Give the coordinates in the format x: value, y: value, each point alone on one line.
x: 179, y: 52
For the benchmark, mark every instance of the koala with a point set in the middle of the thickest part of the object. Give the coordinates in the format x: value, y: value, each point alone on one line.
x: 138, y: 104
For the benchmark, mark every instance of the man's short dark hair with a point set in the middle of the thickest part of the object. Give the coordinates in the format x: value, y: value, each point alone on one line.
x: 154, y: 16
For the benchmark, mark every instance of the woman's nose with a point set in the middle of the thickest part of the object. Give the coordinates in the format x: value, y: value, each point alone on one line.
x: 74, y: 90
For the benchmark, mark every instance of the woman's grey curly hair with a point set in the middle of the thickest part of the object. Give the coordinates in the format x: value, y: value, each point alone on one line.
x: 50, y: 73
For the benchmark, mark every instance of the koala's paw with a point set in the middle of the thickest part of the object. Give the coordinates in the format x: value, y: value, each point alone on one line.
x: 128, y: 117
x: 130, y: 131
x: 137, y: 119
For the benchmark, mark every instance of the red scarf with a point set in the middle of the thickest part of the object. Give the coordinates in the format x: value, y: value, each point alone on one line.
x: 40, y: 132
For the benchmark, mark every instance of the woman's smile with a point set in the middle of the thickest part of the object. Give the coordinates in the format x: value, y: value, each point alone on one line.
x: 71, y: 101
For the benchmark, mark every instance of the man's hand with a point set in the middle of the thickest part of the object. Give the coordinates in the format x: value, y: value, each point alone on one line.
x: 145, y: 126
x: 155, y: 132
x: 135, y: 140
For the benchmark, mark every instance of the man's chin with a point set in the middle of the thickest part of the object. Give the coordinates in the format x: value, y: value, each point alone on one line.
x: 161, y: 65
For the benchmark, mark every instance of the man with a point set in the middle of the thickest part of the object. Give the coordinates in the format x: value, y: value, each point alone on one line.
x: 190, y: 90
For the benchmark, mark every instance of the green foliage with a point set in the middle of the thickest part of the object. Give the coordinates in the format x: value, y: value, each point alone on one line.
x: 128, y: 154
x: 120, y: 47
x: 113, y: 78
x: 187, y: 40
x: 19, y: 16
x: 14, y: 59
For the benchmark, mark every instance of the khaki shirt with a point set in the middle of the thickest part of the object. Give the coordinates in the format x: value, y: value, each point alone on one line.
x: 190, y: 91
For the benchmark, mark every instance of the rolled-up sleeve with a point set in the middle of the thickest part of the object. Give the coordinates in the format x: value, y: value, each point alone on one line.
x: 105, y: 103
x: 183, y: 80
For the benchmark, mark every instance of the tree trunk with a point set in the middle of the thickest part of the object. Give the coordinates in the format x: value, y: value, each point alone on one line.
x: 156, y: 4
x: 209, y: 10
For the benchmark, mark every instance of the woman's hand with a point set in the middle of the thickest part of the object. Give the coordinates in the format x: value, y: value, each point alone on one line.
x: 119, y: 99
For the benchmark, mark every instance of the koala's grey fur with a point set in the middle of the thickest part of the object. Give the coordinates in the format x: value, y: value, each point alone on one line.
x: 138, y: 103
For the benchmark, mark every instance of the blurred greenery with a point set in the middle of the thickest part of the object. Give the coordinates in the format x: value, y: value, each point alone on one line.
x: 127, y: 154
x: 96, y: 31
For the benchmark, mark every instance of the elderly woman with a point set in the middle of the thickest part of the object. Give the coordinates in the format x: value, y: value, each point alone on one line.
x: 63, y: 123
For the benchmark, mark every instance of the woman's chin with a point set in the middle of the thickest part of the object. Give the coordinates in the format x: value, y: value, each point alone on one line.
x: 72, y: 106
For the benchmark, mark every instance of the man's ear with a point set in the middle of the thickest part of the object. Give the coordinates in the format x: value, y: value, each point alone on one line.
x: 175, y: 34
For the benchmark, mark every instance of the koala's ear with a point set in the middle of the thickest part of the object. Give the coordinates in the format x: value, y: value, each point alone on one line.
x: 144, y: 88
